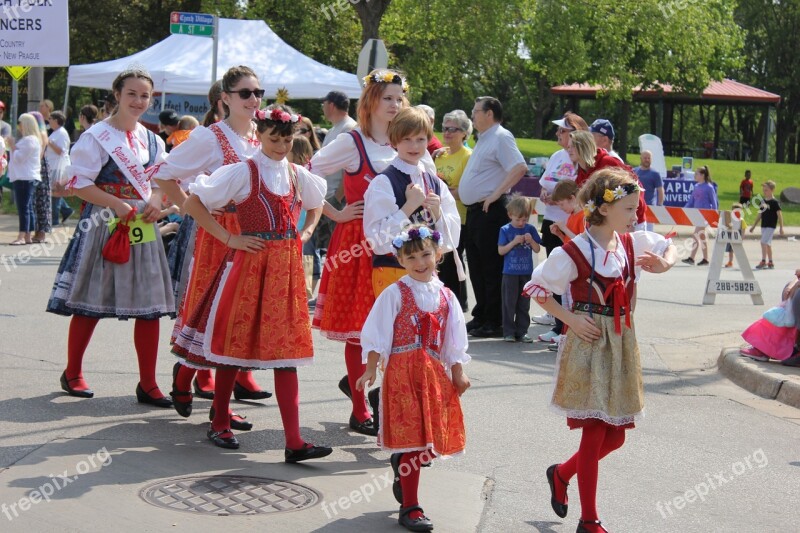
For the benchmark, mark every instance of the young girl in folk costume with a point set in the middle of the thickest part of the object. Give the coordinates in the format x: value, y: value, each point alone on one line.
x: 254, y: 313
x: 227, y: 142
x: 108, y: 174
x: 345, y: 292
x: 417, y: 329
x: 599, y: 377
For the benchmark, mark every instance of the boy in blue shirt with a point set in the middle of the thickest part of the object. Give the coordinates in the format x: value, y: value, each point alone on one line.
x: 516, y: 243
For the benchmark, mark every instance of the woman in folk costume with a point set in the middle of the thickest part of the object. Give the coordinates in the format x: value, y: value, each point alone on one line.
x: 598, y: 383
x: 417, y: 329
x: 227, y: 142
x: 254, y: 313
x: 108, y: 174
x: 346, y: 291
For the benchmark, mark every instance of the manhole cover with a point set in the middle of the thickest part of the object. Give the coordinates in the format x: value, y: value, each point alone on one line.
x: 229, y: 495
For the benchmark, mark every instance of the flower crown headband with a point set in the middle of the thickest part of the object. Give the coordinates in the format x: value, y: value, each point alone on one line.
x: 609, y: 196
x: 386, y: 76
x: 277, y: 115
x: 416, y: 235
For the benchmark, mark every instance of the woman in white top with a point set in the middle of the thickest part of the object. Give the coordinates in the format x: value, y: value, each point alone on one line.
x: 345, y: 291
x: 108, y: 173
x: 559, y: 168
x: 24, y: 171
x: 227, y: 142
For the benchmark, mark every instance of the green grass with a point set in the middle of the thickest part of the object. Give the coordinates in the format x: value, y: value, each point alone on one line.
x: 727, y: 174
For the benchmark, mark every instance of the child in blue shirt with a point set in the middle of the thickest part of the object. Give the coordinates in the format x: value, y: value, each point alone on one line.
x: 516, y: 243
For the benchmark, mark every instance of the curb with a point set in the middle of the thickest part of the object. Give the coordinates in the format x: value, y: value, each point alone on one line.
x: 757, y: 378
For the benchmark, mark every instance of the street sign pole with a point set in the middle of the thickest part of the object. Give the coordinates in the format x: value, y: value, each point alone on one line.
x: 215, y: 37
x: 14, y: 104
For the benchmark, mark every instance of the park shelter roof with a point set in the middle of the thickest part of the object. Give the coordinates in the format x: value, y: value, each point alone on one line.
x: 718, y: 92
x: 181, y: 64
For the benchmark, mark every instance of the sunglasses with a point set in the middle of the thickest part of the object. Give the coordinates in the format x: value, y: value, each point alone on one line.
x: 450, y: 129
x: 303, y: 130
x: 245, y: 94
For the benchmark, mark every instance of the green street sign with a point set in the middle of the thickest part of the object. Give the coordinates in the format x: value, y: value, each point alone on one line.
x: 197, y: 30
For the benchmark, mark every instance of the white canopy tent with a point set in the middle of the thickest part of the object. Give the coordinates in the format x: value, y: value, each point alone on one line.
x: 181, y: 64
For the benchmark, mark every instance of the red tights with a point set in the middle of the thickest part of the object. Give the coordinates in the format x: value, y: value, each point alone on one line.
x: 597, y: 441
x: 145, y: 339
x: 410, y: 465
x: 287, y: 394
x: 356, y: 369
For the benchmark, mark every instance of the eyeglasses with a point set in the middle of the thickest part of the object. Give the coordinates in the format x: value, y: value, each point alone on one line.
x: 245, y: 94
x: 302, y: 130
x: 559, y: 131
x: 451, y: 129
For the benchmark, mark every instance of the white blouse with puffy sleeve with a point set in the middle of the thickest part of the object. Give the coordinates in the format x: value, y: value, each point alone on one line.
x: 88, y: 157
x: 232, y: 183
x: 376, y: 335
x: 383, y: 220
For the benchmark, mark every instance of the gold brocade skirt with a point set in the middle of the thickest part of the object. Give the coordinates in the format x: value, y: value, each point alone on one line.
x: 601, y: 380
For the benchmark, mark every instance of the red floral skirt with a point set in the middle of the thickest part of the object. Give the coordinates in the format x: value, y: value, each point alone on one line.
x: 345, y: 289
x: 420, y: 407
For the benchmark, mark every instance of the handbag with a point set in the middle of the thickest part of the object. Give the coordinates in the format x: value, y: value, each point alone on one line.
x: 118, y: 248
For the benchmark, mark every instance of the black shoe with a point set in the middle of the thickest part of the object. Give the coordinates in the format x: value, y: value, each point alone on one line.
x: 474, y: 324
x: 309, y: 452
x: 420, y: 524
x: 559, y: 508
x: 397, y: 489
x: 792, y: 361
x: 183, y: 407
x: 64, y: 216
x: 200, y: 393
x: 487, y: 332
x: 374, y: 397
x: 344, y: 386
x: 240, y: 393
x: 582, y: 529
x: 223, y: 442
x: 144, y: 397
x: 86, y: 393
x: 239, y: 425
x: 704, y: 262
x: 365, y: 428
x: 688, y: 261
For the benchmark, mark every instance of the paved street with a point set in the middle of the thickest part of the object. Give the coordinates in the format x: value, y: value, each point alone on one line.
x: 708, y: 457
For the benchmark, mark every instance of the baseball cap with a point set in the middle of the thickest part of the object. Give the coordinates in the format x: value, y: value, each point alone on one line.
x: 169, y: 117
x: 337, y: 98
x: 603, y: 127
x: 2, y: 105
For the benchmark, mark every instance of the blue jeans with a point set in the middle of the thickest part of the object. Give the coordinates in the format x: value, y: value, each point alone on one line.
x: 23, y: 198
x: 60, y: 207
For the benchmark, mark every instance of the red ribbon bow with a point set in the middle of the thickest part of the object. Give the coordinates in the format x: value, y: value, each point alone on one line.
x: 617, y: 297
x: 429, y: 328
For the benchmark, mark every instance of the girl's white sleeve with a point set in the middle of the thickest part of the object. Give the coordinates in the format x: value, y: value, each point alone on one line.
x: 648, y: 241
x: 449, y: 224
x: 376, y: 335
x: 552, y: 275
x: 86, y: 160
x: 312, y: 188
x: 226, y: 184
x: 199, y: 154
x: 455, y: 343
x: 340, y: 154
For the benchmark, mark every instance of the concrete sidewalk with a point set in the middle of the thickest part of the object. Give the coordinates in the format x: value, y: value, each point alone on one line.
x: 768, y: 379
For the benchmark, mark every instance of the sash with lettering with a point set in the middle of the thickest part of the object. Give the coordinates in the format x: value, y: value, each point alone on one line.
x: 124, y: 157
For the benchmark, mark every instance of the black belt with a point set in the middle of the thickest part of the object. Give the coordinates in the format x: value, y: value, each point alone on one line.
x: 273, y: 235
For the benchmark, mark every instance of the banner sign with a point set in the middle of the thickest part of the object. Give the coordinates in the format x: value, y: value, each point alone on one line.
x: 677, y: 192
x: 194, y: 105
x: 34, y: 33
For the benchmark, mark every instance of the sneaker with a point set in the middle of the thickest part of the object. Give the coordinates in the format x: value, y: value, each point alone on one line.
x: 753, y: 353
x: 474, y: 324
x: 770, y: 265
x: 525, y: 338
x: 487, y: 332
x: 510, y: 338
x: 688, y: 261
x: 545, y: 320
x: 553, y: 346
x: 762, y: 264
x: 704, y: 262
x: 729, y: 264
x: 548, y: 336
